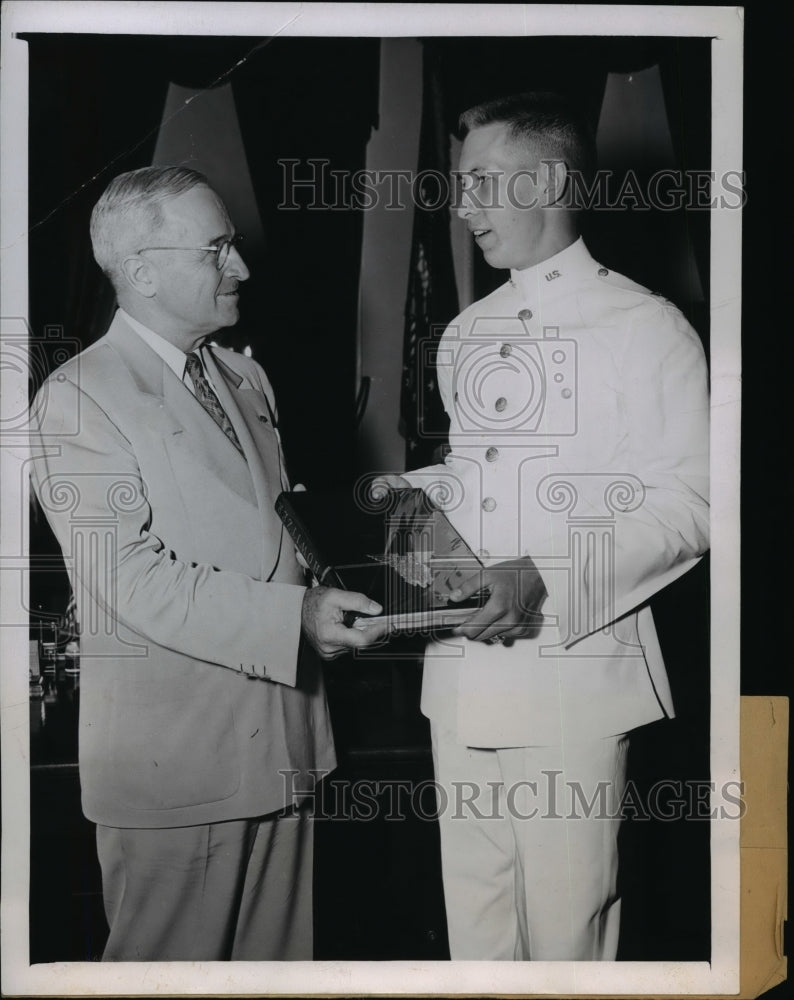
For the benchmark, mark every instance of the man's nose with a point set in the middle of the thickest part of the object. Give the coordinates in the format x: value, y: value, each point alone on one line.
x: 464, y: 208
x: 235, y: 266
x: 465, y: 205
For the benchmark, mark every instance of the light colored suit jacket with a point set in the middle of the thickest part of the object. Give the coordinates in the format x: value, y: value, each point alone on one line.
x: 195, y: 705
x: 579, y: 433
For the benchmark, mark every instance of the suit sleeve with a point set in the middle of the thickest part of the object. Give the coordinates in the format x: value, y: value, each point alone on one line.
x: 90, y: 477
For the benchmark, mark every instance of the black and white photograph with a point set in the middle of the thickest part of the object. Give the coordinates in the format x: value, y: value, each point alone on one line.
x: 370, y: 446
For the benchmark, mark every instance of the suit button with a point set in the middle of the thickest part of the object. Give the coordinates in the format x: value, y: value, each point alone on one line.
x: 525, y: 314
x: 492, y: 454
x: 500, y: 404
x: 506, y: 350
x: 489, y: 504
x: 602, y: 272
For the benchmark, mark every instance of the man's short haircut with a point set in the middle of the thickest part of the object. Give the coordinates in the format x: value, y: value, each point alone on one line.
x: 553, y: 126
x: 129, y: 213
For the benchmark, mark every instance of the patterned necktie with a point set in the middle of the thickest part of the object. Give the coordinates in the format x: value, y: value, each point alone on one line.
x: 209, y: 400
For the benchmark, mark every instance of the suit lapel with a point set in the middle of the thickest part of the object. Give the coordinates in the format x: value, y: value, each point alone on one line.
x: 185, y: 426
x: 177, y: 414
x: 250, y: 415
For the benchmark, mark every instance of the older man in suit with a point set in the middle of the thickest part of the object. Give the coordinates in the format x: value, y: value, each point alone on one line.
x: 157, y: 462
x: 578, y: 469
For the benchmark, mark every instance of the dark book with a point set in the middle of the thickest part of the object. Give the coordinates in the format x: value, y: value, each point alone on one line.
x: 400, y: 551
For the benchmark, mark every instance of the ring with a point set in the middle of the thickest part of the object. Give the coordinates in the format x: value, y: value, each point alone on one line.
x: 496, y: 638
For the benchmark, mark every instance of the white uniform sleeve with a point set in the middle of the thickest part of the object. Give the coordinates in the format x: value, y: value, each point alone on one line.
x: 662, y: 528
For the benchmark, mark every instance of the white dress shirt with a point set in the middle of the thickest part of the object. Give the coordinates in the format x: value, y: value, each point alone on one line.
x: 171, y: 355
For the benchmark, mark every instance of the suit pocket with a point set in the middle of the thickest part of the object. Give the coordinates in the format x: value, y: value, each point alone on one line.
x: 175, y: 746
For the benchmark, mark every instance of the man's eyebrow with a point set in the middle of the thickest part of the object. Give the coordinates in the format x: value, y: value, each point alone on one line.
x: 217, y: 240
x: 479, y: 169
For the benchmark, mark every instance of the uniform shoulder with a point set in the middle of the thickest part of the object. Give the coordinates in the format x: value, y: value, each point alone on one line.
x: 611, y: 293
x: 500, y: 302
x: 619, y: 284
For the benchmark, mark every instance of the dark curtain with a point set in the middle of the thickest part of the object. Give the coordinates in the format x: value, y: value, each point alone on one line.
x: 683, y: 77
x: 95, y: 109
x: 94, y: 113
x: 308, y: 99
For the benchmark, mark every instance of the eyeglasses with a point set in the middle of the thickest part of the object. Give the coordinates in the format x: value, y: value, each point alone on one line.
x: 222, y: 249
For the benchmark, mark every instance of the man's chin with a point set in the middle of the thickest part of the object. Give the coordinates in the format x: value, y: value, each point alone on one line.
x: 493, y: 258
x: 229, y: 310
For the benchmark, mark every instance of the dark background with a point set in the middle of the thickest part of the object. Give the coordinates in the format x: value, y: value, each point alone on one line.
x: 767, y: 493
x: 94, y: 114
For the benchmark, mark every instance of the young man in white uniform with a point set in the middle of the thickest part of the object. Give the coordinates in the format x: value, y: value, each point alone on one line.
x: 579, y: 473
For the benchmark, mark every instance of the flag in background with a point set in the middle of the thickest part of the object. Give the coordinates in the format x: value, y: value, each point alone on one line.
x: 432, y: 299
x: 69, y: 625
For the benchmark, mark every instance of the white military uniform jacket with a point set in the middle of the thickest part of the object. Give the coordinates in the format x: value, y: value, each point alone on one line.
x: 578, y: 403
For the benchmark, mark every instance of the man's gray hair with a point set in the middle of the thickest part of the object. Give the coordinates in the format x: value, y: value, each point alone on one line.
x: 129, y: 213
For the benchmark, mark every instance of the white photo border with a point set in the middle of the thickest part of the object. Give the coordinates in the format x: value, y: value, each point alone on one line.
x: 721, y: 976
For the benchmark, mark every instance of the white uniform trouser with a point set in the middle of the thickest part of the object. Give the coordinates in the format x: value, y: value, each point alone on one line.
x: 529, y: 848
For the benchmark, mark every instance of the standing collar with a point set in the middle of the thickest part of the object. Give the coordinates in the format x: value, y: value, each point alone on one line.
x: 555, y: 274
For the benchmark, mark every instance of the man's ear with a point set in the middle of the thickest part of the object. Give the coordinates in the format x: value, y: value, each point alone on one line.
x: 556, y: 178
x: 139, y: 275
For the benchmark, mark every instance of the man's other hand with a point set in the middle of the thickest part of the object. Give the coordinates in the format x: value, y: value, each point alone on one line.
x: 322, y: 619
x: 512, y: 611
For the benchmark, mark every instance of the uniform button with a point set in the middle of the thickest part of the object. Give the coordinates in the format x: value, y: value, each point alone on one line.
x: 602, y: 272
x: 525, y: 314
x: 489, y: 504
x: 500, y: 404
x: 506, y: 350
x: 492, y: 454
